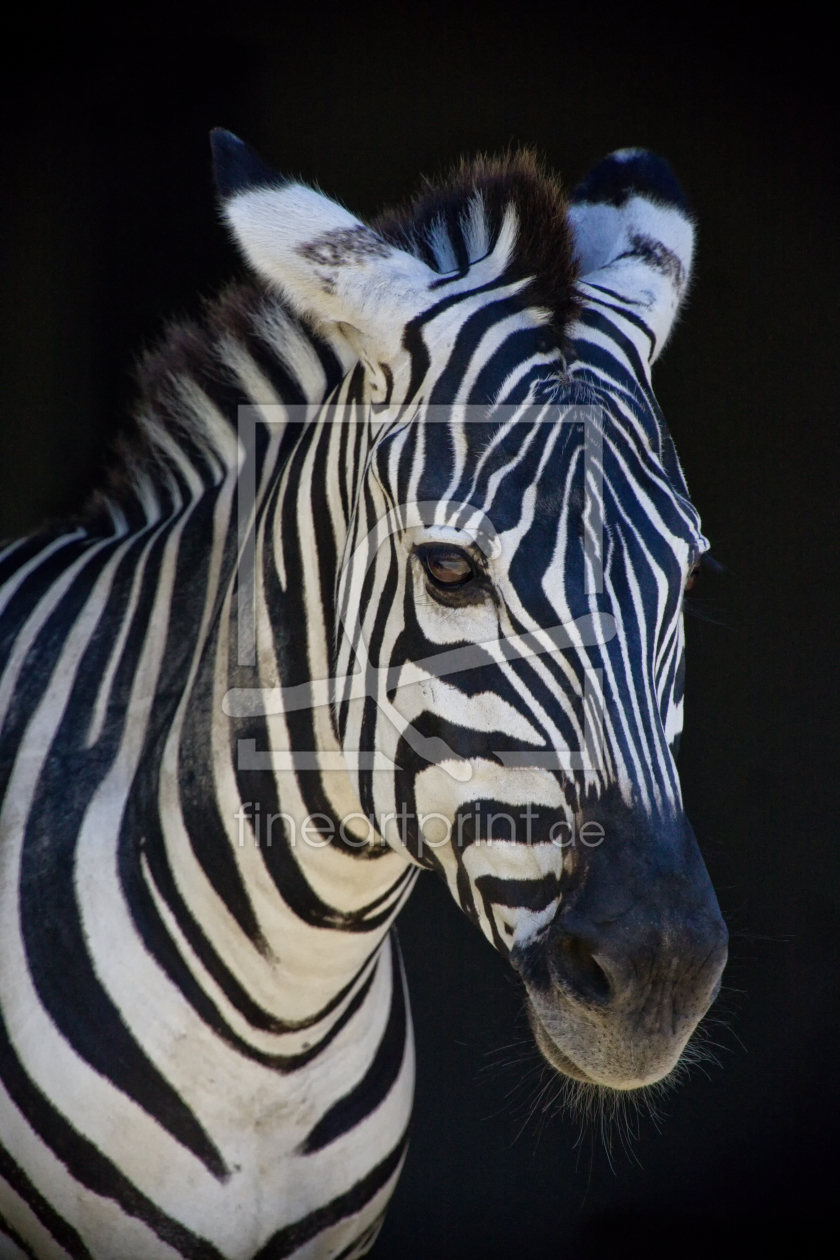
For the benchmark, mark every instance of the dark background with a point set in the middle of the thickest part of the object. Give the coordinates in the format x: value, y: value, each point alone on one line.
x: 109, y: 226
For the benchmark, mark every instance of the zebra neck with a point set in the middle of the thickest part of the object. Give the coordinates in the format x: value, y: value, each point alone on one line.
x: 260, y: 820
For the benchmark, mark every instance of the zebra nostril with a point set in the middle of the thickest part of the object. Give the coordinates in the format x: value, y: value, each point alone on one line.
x: 575, y: 966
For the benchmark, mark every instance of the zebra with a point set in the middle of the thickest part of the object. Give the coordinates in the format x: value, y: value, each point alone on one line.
x: 338, y: 607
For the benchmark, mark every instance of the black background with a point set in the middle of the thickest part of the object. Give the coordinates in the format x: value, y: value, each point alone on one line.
x: 109, y: 226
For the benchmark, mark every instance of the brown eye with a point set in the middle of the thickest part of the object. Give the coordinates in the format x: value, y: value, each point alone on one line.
x: 447, y: 566
x: 693, y: 574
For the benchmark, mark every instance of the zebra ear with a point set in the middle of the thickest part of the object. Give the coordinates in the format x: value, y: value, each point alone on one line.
x: 329, y: 266
x: 634, y: 235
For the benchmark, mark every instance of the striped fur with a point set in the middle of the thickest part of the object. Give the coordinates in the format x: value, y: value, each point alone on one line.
x: 205, y: 1041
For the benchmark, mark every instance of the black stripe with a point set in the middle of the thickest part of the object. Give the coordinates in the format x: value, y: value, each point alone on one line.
x: 162, y: 947
x: 55, y: 1225
x: 288, y: 1240
x: 57, y: 952
x: 34, y: 586
x: 378, y: 1080
x: 6, y: 1231
x: 633, y: 379
x: 37, y: 668
x: 280, y: 860
x: 463, y: 348
x: 360, y: 1246
x: 413, y: 333
x: 86, y: 1162
x: 637, y: 387
x: 518, y: 347
x: 620, y: 297
x: 631, y: 318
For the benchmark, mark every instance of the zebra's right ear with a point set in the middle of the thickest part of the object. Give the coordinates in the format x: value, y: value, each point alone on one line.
x: 332, y: 268
x: 634, y: 236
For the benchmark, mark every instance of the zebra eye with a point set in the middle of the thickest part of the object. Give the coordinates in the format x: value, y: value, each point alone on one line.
x: 693, y: 574
x: 447, y: 566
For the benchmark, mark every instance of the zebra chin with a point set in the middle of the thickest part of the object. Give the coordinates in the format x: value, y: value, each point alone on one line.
x: 628, y: 1067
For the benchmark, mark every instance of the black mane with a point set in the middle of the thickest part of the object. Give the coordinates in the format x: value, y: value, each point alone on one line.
x: 544, y: 248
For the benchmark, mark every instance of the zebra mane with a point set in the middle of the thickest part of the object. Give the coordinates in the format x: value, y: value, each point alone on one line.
x: 453, y: 222
x: 248, y: 346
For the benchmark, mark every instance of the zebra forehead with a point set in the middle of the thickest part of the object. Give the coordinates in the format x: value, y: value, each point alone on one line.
x: 522, y: 469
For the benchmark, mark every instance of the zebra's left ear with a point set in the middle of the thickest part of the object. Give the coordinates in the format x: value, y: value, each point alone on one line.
x: 331, y: 267
x: 634, y: 236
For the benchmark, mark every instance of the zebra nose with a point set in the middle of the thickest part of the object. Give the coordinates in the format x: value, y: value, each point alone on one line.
x: 617, y: 962
x: 575, y: 966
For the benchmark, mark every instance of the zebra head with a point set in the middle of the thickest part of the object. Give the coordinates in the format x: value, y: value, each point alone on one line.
x: 506, y: 623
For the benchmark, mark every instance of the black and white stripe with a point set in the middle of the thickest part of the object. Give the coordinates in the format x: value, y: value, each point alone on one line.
x: 205, y: 1042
